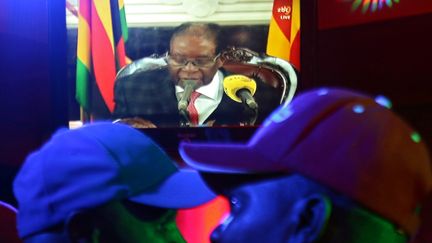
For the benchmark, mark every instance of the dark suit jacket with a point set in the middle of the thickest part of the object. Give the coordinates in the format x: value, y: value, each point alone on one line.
x: 151, y: 95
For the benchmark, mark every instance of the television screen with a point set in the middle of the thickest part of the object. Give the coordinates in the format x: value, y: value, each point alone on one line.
x: 236, y: 83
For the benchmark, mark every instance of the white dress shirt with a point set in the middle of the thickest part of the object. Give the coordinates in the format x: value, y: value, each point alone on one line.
x: 208, y: 101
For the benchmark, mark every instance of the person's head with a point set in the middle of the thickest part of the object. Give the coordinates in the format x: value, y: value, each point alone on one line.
x: 353, y: 171
x: 194, y: 53
x: 105, y: 182
x: 297, y: 209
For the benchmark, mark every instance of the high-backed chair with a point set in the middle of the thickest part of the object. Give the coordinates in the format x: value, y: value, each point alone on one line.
x: 276, y: 81
x: 276, y: 72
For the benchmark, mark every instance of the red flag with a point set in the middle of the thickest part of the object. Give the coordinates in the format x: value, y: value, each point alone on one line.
x: 100, y: 49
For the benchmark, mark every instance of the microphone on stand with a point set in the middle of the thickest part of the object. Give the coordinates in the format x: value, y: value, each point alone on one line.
x: 189, y: 87
x: 241, y: 88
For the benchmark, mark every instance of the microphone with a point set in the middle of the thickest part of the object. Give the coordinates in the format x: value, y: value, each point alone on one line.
x: 241, y: 89
x: 189, y: 87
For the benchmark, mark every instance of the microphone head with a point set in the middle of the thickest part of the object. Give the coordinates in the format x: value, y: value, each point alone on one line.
x: 233, y: 83
x: 188, y: 82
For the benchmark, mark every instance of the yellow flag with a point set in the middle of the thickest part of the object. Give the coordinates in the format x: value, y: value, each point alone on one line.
x: 284, y: 31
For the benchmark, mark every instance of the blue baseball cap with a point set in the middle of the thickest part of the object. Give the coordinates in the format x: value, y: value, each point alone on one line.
x: 95, y: 164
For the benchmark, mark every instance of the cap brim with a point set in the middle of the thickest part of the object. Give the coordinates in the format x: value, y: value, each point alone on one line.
x: 237, y: 158
x: 183, y: 189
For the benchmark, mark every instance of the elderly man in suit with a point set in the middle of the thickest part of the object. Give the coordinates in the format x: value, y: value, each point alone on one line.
x: 194, y: 65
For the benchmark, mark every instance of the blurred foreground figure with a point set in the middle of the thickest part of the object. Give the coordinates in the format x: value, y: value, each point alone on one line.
x: 103, y: 183
x: 333, y: 166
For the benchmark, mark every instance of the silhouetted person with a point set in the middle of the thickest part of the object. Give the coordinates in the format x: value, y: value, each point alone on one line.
x: 103, y: 182
x: 333, y: 166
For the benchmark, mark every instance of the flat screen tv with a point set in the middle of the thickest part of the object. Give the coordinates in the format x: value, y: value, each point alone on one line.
x: 244, y: 39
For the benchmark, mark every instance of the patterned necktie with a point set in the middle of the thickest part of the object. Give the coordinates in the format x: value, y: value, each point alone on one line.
x: 193, y: 113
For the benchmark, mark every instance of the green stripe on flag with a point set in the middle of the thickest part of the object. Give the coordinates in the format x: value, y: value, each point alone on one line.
x: 124, y: 24
x: 82, y: 85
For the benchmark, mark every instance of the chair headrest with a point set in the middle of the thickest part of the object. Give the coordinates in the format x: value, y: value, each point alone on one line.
x: 142, y: 64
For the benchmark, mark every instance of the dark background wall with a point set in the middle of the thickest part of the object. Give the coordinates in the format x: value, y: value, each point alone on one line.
x: 33, y: 83
x: 390, y: 57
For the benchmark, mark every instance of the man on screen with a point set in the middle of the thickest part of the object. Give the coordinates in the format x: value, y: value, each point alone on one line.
x: 194, y: 74
x: 333, y: 166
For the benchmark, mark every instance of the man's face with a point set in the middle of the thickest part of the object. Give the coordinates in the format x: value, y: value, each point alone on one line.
x: 197, y: 50
x: 260, y: 212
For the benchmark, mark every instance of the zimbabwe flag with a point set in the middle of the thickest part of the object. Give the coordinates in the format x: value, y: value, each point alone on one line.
x: 284, y: 31
x: 102, y: 32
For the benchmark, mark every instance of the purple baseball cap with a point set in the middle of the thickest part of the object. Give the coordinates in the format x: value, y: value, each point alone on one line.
x: 95, y: 164
x: 342, y: 139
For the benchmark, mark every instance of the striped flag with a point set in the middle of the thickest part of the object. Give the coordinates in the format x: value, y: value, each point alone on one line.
x: 284, y: 31
x: 102, y: 32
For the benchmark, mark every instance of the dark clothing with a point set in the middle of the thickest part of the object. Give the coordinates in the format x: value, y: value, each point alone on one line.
x: 151, y: 95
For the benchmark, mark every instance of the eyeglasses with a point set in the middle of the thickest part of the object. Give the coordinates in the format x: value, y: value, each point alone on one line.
x: 180, y: 61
